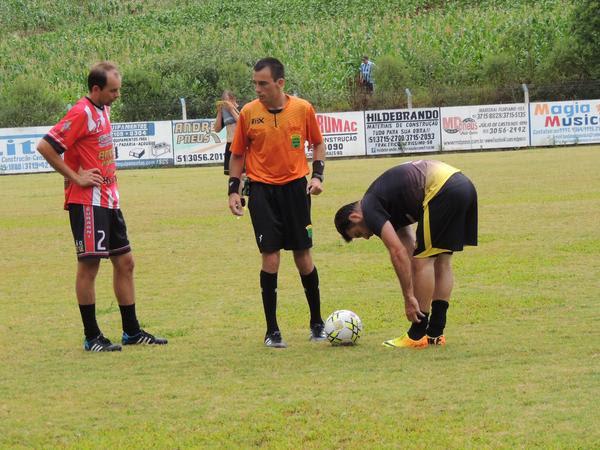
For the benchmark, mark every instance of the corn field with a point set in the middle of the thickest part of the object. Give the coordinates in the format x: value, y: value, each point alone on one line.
x: 441, y: 42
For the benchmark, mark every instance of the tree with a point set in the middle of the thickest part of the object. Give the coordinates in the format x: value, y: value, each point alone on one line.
x: 29, y: 101
x: 585, y: 29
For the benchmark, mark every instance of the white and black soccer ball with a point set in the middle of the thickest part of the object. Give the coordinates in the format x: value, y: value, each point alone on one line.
x: 343, y: 327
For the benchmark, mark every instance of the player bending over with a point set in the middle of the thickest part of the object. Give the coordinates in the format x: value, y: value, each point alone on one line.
x: 443, y: 203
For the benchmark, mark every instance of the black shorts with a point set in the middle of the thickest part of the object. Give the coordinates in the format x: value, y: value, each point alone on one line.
x: 227, y: 158
x: 98, y: 232
x: 281, y: 216
x: 449, y: 220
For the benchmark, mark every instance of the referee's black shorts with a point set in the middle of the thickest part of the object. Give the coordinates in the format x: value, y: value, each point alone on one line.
x: 449, y: 220
x: 281, y: 215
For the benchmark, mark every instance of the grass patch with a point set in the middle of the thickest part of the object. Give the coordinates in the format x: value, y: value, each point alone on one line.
x: 520, y: 368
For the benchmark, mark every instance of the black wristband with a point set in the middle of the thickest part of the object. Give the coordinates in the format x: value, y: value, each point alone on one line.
x: 234, y: 186
x: 318, y: 167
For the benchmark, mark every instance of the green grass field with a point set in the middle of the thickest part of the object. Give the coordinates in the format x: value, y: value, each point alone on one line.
x: 520, y: 368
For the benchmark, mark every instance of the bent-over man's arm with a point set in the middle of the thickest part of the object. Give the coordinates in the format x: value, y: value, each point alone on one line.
x: 402, y: 266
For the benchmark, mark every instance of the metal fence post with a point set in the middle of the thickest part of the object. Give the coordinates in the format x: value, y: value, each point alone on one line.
x: 183, y: 109
x: 408, y: 98
x: 525, y: 93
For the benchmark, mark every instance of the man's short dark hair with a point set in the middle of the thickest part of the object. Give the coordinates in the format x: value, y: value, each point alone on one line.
x: 342, y: 219
x: 277, y: 69
x: 98, y: 74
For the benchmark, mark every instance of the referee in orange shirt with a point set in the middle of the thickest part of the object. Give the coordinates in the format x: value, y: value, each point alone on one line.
x: 270, y: 138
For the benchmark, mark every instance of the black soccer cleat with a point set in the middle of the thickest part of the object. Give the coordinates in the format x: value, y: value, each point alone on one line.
x: 100, y: 344
x: 143, y: 337
x: 317, y: 332
x: 274, y: 340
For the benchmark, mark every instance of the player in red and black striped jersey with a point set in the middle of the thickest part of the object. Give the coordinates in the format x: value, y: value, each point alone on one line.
x: 84, y: 138
x: 87, y: 133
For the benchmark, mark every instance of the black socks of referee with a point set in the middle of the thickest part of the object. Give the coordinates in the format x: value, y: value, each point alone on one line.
x: 268, y: 287
x: 437, y: 321
x: 313, y: 296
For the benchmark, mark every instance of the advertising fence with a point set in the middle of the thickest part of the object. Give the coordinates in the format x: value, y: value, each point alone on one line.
x: 143, y: 144
x: 346, y: 134
x: 485, y: 127
x: 564, y: 123
x: 18, y: 152
x: 402, y: 131
x: 196, y: 142
x: 343, y: 133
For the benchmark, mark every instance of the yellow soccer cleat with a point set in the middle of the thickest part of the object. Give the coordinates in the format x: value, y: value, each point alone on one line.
x: 440, y: 340
x: 406, y: 342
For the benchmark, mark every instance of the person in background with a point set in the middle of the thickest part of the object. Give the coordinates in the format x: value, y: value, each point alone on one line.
x: 227, y: 117
x: 366, y: 74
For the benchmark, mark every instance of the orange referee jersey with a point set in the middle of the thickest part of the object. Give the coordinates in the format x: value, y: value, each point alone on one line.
x: 274, y: 143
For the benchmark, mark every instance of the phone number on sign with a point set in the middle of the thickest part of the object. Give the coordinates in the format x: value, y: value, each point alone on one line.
x: 500, y: 115
x: 401, y: 138
x: 504, y: 130
x: 200, y: 157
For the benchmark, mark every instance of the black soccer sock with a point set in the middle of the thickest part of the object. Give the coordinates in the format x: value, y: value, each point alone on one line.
x: 88, y: 316
x: 313, y: 296
x: 437, y: 322
x: 268, y: 286
x: 417, y: 330
x: 129, y: 319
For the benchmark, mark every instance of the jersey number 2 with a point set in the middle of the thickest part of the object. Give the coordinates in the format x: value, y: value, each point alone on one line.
x: 99, y: 245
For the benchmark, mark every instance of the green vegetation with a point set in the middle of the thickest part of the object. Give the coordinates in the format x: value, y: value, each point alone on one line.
x: 586, y: 31
x: 520, y: 369
x: 446, y: 52
x: 27, y: 100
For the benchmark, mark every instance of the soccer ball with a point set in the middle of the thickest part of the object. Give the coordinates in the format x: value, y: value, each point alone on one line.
x: 343, y: 327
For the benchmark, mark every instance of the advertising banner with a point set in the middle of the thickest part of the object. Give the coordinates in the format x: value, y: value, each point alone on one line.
x: 402, y: 131
x: 196, y: 142
x: 18, y: 152
x: 343, y: 132
x: 485, y: 126
x: 143, y: 144
x: 562, y: 123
